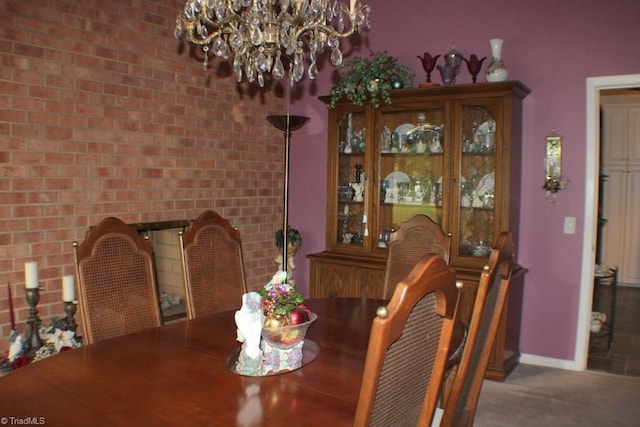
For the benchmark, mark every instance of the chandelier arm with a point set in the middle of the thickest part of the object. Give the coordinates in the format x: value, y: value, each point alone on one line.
x: 323, y: 29
x: 229, y: 24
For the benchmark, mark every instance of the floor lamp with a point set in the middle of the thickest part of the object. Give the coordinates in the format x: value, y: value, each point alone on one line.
x: 286, y: 123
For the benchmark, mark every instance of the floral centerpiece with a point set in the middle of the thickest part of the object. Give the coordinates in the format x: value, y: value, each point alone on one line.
x: 272, y: 324
x: 282, y: 304
x: 286, y: 319
x: 55, y: 339
x: 370, y: 80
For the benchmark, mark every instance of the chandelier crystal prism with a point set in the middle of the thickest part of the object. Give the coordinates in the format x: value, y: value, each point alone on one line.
x: 264, y: 35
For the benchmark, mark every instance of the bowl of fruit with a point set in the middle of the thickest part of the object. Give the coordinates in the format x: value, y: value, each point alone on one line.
x: 288, y: 332
x: 286, y: 319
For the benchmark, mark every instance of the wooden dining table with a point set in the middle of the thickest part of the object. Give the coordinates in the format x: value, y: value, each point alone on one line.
x: 177, y: 374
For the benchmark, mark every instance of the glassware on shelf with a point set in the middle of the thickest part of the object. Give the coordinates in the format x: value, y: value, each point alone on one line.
x: 418, y: 190
x: 420, y: 139
x: 404, y: 194
x: 384, y: 187
x: 428, y: 64
x: 384, y: 237
x: 473, y: 65
x: 385, y: 140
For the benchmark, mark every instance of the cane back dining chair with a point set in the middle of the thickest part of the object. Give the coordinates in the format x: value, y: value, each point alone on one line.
x: 211, y: 253
x: 415, y: 238
x: 408, y: 348
x: 460, y: 408
x: 117, y: 291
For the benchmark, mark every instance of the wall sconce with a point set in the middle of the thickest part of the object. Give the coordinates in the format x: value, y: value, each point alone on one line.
x: 553, y: 164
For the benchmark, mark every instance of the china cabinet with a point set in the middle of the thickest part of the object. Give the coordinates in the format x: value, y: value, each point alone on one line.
x: 449, y: 152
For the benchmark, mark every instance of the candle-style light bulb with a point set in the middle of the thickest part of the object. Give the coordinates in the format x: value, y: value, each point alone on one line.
x: 68, y: 288
x: 31, y: 274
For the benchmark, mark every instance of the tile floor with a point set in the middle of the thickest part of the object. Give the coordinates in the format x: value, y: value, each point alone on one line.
x: 624, y: 355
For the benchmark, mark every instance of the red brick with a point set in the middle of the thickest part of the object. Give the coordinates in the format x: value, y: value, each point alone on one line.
x: 58, y: 133
x: 131, y: 129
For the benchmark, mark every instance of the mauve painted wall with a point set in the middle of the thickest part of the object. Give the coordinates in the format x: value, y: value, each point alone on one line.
x: 552, y: 47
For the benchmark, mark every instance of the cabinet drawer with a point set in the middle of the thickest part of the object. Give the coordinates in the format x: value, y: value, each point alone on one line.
x: 335, y: 279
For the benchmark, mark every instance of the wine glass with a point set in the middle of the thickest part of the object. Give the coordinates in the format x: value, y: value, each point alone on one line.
x: 403, y: 191
x: 428, y: 63
x: 473, y: 65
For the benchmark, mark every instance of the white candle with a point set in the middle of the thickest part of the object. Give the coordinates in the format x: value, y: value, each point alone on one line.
x: 68, y: 288
x: 352, y: 6
x: 31, y: 274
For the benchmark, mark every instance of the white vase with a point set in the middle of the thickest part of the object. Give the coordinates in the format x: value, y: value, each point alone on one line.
x: 496, y: 72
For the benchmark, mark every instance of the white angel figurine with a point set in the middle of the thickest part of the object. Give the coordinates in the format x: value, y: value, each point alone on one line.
x: 359, y: 192
x: 249, y: 320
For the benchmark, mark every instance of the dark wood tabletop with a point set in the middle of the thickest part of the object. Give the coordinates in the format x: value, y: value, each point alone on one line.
x: 176, y: 375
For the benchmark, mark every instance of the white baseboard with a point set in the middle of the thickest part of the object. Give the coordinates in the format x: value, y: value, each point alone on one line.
x: 629, y: 285
x: 532, y: 359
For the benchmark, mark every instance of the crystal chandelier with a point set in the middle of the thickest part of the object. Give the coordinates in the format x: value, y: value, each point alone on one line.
x: 263, y: 35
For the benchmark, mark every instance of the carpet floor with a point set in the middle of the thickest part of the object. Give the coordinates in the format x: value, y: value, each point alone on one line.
x: 540, y: 396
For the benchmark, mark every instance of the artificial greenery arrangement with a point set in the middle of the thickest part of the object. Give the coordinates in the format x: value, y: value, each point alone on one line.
x: 370, y: 80
x: 281, y: 303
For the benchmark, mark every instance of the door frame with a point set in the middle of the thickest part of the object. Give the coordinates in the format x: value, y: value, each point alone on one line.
x: 592, y: 182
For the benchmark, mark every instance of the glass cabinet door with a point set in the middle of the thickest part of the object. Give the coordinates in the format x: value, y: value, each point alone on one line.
x: 477, y: 180
x: 351, y: 215
x: 410, y: 167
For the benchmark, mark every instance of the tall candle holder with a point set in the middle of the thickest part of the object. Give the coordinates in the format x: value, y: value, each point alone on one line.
x: 70, y: 309
x: 33, y: 341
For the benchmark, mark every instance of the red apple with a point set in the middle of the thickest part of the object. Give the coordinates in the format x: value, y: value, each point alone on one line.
x: 299, y: 315
x: 304, y: 308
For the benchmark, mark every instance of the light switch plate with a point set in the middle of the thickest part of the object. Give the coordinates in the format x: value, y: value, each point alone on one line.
x: 569, y: 225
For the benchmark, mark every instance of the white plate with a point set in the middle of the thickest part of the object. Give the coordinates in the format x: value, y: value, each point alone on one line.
x: 486, y: 185
x: 403, y: 131
x: 426, y: 128
x: 485, y: 127
x: 395, y: 177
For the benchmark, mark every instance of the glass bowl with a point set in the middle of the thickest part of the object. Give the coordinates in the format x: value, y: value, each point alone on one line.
x: 286, y: 337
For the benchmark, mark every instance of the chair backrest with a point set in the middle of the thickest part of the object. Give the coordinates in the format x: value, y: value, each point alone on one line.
x: 414, y: 239
x: 460, y: 408
x: 117, y: 291
x: 212, y: 265
x: 408, y: 348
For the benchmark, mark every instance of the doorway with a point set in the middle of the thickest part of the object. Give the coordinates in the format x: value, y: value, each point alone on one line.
x: 592, y: 171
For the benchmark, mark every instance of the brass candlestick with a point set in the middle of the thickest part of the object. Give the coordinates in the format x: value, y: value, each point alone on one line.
x: 33, y: 340
x: 70, y: 310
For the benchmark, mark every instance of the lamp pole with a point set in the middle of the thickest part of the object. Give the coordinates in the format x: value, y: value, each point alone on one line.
x: 286, y: 123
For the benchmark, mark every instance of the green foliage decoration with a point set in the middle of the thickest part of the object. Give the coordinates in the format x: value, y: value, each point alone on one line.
x: 370, y: 80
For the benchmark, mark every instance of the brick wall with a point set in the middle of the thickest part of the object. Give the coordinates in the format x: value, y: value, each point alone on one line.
x: 103, y: 113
